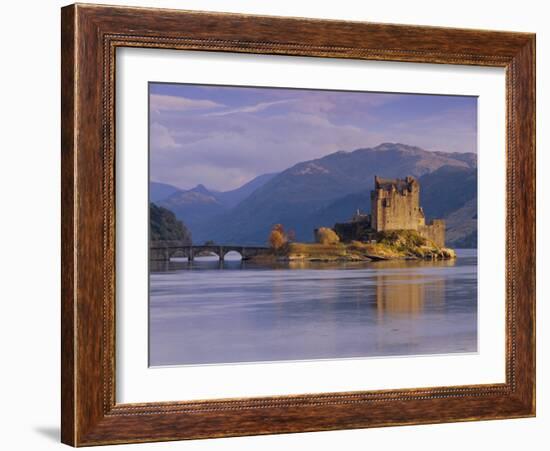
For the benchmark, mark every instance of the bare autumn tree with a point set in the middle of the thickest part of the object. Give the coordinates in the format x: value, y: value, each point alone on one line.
x: 277, y: 237
x: 279, y: 228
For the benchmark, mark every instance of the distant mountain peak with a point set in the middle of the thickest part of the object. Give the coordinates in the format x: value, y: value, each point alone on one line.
x: 200, y: 188
x: 396, y: 146
x: 189, y: 197
x: 159, y: 191
x: 310, y: 168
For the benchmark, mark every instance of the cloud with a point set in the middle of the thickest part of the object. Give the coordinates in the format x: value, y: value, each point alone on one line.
x: 161, y: 138
x: 222, y: 147
x: 161, y: 102
x: 251, y: 108
x: 231, y: 149
x: 451, y: 130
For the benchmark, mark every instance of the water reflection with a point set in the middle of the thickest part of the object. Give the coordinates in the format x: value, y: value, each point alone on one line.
x: 397, y: 295
x: 310, y: 310
x: 405, y: 295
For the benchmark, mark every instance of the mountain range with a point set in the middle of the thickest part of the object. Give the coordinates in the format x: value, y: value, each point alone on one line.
x: 326, y: 190
x: 199, y: 204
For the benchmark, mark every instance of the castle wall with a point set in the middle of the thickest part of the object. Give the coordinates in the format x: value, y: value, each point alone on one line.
x: 392, y: 210
x: 435, y: 231
x: 349, y: 231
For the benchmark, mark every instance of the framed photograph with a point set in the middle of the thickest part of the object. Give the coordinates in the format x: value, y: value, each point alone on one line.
x: 278, y: 225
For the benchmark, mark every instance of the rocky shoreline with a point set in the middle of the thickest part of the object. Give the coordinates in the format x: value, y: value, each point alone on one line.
x: 395, y: 245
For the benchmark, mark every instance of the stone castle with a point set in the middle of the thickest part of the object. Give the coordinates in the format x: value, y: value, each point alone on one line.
x: 395, y: 205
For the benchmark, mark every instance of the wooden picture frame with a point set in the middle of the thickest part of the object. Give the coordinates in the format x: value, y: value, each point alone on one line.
x: 90, y: 36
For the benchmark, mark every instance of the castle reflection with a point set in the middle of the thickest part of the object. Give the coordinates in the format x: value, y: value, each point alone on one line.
x: 404, y: 294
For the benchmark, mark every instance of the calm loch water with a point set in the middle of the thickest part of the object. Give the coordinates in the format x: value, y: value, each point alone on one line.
x: 208, y: 312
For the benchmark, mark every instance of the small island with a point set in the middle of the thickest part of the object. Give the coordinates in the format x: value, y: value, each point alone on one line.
x: 396, y: 228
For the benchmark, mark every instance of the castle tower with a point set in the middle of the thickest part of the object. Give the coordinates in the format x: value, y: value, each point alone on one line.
x: 396, y: 204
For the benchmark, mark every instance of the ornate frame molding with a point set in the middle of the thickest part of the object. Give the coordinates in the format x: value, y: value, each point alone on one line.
x: 90, y: 36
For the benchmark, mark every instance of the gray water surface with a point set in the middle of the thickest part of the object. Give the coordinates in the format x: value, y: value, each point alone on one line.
x: 208, y: 312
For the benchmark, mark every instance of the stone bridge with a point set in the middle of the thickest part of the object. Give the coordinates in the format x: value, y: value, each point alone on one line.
x: 164, y: 250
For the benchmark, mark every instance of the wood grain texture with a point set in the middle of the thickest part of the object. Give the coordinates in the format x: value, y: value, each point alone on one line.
x: 90, y: 36
x: 68, y: 239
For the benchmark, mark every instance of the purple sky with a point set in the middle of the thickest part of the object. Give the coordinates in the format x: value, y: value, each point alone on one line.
x: 223, y: 136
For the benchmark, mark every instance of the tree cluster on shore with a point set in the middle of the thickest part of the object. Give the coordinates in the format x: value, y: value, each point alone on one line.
x: 389, y: 245
x: 164, y: 226
x: 325, y: 235
x: 279, y: 238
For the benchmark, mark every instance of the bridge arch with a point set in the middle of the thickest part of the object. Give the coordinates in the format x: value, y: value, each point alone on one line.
x: 177, y: 253
x: 232, y: 253
x: 206, y: 254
